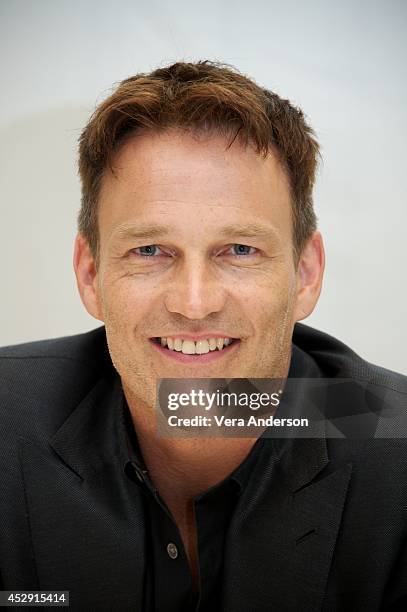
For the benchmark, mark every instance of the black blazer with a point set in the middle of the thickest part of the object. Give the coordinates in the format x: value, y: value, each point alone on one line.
x: 329, y: 533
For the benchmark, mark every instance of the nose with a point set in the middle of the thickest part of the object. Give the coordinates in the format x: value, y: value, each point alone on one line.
x: 195, y: 291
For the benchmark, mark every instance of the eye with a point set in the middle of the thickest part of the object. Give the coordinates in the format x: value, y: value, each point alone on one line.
x: 145, y: 251
x: 241, y: 249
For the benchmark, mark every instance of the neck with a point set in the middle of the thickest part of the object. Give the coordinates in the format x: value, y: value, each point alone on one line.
x: 188, y: 466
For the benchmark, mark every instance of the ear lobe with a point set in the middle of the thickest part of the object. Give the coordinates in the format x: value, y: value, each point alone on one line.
x: 309, y: 276
x: 86, y: 277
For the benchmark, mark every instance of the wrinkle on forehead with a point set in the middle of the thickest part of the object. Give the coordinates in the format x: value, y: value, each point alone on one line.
x: 156, y: 154
x: 167, y: 174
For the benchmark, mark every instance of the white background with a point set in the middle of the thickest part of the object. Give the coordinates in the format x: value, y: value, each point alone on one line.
x: 343, y: 62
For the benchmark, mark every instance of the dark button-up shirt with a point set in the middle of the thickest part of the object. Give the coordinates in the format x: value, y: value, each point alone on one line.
x: 168, y: 580
x: 168, y: 583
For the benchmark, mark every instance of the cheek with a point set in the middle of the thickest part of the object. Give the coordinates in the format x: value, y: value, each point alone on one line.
x: 126, y: 311
x: 124, y: 305
x: 267, y: 300
x: 272, y: 318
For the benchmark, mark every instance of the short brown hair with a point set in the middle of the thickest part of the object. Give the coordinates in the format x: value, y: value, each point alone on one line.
x: 203, y: 97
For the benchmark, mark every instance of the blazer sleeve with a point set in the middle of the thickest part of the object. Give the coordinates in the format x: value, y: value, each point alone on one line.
x: 395, y: 598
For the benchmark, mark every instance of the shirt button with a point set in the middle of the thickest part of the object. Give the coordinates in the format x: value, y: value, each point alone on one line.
x: 172, y: 550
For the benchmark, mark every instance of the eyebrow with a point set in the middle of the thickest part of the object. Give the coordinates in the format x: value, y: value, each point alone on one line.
x: 250, y: 230
x: 142, y: 231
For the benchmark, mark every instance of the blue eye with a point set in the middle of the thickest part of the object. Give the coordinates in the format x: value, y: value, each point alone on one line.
x: 149, y: 250
x: 241, y: 249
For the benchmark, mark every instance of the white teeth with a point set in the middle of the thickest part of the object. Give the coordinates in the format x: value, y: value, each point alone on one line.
x: 200, y: 347
x: 212, y: 344
x: 188, y: 347
x: 178, y: 344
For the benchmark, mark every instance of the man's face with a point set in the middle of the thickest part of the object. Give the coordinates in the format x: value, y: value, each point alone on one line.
x: 171, y: 221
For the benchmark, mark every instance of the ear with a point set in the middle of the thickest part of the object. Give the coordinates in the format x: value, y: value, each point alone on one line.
x: 310, y: 272
x: 87, y: 277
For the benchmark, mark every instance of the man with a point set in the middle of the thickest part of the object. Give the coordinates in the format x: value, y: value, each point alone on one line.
x: 198, y: 250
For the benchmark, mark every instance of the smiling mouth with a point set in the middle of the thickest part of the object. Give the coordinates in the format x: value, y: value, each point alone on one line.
x: 194, y: 348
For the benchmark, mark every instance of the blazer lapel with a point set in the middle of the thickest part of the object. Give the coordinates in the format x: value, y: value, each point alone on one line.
x: 282, y: 538
x: 87, y: 524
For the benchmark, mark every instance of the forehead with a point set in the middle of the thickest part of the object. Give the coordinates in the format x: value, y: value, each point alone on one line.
x: 192, y: 180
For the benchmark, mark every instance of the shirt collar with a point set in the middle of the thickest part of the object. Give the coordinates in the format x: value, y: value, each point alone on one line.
x: 301, y: 365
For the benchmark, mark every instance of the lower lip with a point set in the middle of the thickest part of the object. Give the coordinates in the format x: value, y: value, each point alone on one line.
x: 196, y: 359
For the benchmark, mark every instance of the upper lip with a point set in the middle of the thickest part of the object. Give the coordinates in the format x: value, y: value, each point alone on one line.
x: 196, y: 337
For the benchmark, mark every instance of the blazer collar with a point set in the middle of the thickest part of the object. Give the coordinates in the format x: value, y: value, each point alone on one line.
x: 295, y: 503
x: 93, y: 433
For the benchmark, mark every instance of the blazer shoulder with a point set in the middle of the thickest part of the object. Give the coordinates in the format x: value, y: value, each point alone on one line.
x: 78, y: 347
x: 337, y: 360
x: 42, y: 382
